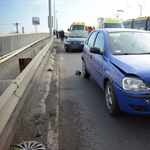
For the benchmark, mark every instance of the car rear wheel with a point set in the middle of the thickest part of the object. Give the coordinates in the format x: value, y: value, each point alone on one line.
x: 111, y: 99
x: 84, y: 70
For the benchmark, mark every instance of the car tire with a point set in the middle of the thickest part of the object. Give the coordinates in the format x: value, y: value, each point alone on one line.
x: 84, y: 70
x: 66, y: 50
x: 111, y: 99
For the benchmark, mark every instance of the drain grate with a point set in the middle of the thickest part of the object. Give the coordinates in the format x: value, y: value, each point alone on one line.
x: 30, y: 145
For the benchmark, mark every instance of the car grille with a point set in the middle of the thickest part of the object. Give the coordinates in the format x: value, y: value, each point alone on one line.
x: 75, y: 42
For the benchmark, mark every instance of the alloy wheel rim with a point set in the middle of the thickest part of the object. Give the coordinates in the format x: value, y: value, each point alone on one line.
x: 109, y: 97
x: 83, y: 68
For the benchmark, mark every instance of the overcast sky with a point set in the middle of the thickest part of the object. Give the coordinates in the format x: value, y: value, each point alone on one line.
x: 88, y: 11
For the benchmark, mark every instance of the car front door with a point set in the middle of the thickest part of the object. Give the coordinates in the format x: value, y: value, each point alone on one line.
x: 98, y: 59
x: 87, y: 55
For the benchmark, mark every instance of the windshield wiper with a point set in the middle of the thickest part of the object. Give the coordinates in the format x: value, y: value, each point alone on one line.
x: 80, y: 36
x: 126, y: 54
x: 135, y: 53
x: 143, y: 53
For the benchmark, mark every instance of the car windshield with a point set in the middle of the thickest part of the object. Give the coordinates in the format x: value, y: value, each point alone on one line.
x: 113, y: 25
x: 76, y: 27
x: 129, y: 43
x: 78, y: 34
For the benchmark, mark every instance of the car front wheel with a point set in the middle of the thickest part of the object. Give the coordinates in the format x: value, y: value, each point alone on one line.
x: 84, y: 70
x: 111, y: 99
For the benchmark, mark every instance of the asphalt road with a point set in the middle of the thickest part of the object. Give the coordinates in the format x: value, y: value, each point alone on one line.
x: 69, y: 112
x: 84, y: 123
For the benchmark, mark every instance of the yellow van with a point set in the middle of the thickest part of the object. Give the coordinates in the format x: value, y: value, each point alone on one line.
x: 76, y: 26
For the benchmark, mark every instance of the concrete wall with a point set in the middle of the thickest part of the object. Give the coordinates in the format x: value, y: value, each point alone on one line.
x: 10, y: 43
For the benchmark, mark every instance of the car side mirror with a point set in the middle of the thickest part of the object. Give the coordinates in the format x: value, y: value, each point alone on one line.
x: 148, y: 29
x: 95, y: 50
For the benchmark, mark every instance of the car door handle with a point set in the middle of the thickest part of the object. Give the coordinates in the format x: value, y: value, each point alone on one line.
x: 90, y: 56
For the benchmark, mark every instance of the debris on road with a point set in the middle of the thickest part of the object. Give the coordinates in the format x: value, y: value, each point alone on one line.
x: 78, y: 72
x: 46, y: 143
x: 50, y: 69
x: 38, y: 134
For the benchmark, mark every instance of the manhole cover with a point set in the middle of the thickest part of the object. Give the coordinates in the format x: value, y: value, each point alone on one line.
x: 30, y: 145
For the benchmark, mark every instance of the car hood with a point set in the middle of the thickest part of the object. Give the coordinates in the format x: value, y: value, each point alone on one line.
x: 76, y: 39
x: 134, y: 64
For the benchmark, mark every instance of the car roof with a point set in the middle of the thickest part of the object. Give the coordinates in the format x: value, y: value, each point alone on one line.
x: 122, y: 30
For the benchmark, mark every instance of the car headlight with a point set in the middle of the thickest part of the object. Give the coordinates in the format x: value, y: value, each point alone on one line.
x: 134, y: 84
x: 67, y: 42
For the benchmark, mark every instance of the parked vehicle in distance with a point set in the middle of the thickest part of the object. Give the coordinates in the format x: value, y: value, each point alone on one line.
x: 119, y: 60
x: 109, y: 23
x: 76, y: 26
x: 75, y: 40
x: 142, y: 23
x: 128, y: 23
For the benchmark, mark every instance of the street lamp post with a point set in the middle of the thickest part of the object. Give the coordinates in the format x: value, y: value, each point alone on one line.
x: 50, y: 20
x: 54, y: 18
x: 140, y: 10
x: 16, y: 24
x: 56, y: 21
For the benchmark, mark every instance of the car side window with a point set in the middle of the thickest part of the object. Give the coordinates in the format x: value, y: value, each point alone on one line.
x: 91, y: 39
x: 100, y: 42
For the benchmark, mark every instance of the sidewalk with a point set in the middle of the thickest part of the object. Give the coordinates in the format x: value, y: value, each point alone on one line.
x: 21, y: 119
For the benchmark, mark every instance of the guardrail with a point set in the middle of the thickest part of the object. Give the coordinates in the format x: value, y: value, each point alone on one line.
x: 12, y: 95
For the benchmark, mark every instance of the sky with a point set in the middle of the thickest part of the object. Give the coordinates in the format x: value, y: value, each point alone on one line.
x: 68, y: 11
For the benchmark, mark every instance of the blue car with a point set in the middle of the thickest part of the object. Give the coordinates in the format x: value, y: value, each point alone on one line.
x: 119, y: 61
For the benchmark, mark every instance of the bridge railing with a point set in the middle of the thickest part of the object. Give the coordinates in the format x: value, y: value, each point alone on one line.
x: 10, y: 43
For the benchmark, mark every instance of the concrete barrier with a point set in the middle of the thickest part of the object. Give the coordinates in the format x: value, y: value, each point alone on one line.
x: 15, y: 52
x: 11, y: 96
x: 10, y: 43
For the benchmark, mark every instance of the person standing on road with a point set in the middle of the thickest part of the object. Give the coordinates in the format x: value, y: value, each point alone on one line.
x: 90, y: 29
x: 86, y: 28
x: 62, y: 35
x: 57, y: 34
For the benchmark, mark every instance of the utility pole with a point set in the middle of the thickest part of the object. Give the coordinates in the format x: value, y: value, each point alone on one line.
x: 140, y: 10
x: 56, y: 21
x: 54, y: 18
x: 16, y: 24
x: 50, y: 20
x: 22, y: 29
